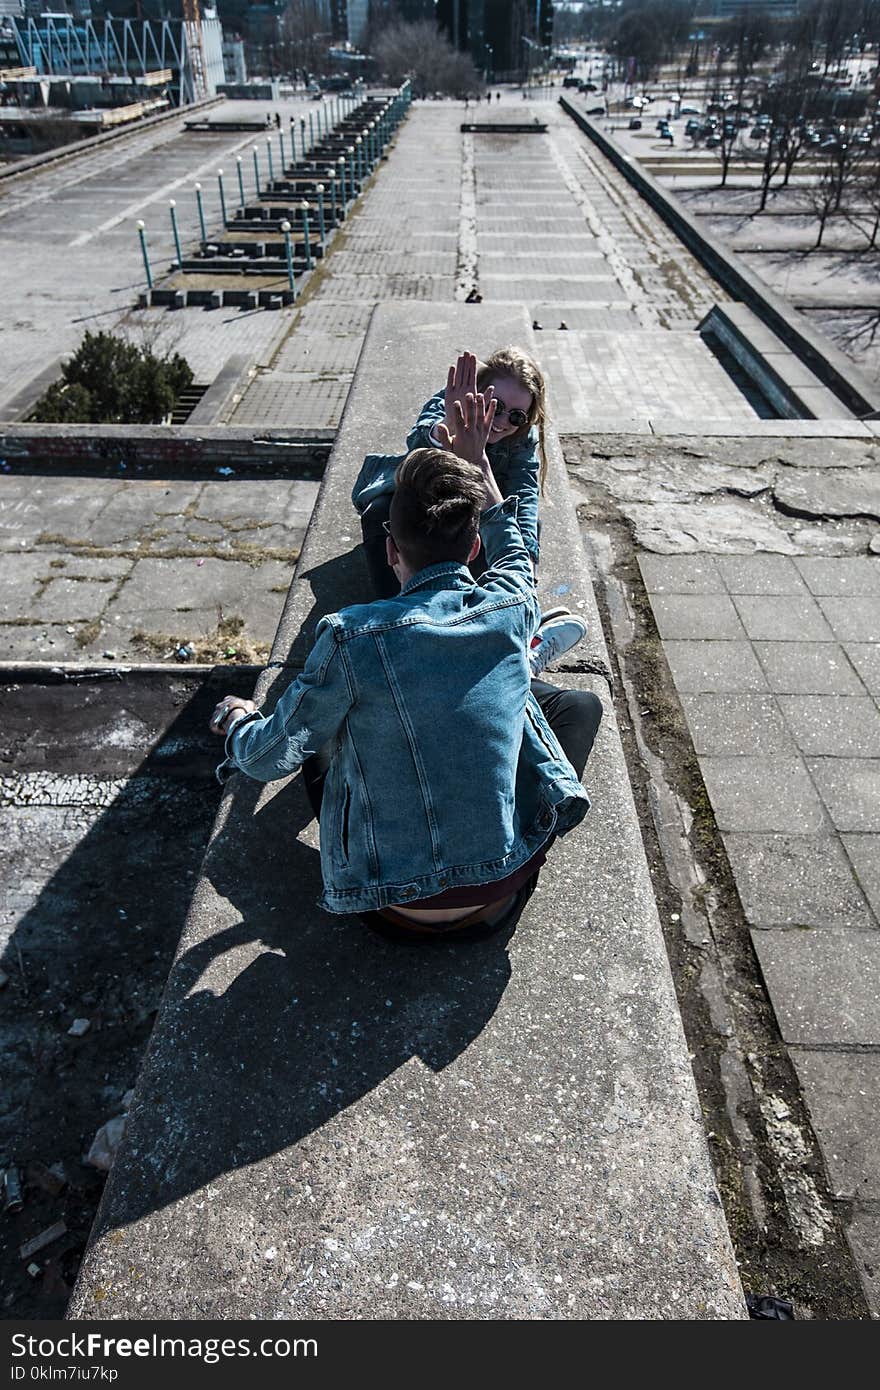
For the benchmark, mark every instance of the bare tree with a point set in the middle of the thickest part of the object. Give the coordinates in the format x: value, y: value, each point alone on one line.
x: 419, y: 52
x: 839, y: 183
x: 302, y: 46
x: 639, y: 40
x: 866, y: 191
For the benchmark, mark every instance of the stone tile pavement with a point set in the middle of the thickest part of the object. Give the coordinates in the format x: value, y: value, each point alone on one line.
x: 442, y: 210
x: 776, y: 660
x: 89, y: 565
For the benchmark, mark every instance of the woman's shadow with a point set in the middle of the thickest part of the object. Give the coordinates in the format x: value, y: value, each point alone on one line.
x: 282, y: 1016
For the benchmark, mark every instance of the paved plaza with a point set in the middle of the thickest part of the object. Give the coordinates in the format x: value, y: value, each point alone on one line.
x: 540, y: 219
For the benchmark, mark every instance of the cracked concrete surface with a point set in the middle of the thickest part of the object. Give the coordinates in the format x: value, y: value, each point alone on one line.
x: 737, y: 496
x: 89, y: 565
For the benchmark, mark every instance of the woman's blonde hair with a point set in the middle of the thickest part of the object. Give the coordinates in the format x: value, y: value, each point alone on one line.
x: 513, y: 362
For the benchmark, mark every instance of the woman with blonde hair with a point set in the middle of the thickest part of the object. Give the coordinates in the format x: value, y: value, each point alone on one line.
x: 517, y: 454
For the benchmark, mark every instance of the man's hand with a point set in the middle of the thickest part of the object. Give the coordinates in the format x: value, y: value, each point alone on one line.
x: 474, y: 422
x: 230, y: 709
x: 461, y: 382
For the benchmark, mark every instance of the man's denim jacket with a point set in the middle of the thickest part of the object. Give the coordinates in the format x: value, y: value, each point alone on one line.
x: 444, y: 772
x: 514, y: 462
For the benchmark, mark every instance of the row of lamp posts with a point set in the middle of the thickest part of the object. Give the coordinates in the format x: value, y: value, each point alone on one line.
x: 362, y: 156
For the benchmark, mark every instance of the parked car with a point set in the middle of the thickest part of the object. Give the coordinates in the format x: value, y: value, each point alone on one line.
x: 758, y: 132
x: 713, y: 141
x: 662, y: 124
x: 693, y: 127
x: 595, y: 110
x: 587, y: 87
x: 634, y: 124
x: 571, y: 82
x: 667, y: 135
x: 690, y: 111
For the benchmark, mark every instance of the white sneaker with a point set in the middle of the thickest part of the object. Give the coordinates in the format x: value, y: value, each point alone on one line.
x: 559, y: 612
x: 554, y: 637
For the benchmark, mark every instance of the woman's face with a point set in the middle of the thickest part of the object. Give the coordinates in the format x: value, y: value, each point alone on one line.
x: 510, y: 395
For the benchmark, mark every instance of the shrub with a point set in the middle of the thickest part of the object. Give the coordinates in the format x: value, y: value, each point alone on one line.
x: 109, y: 381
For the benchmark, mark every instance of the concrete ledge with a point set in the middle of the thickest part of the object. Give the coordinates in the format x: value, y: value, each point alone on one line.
x: 503, y: 128
x: 27, y: 166
x: 172, y: 450
x: 230, y: 379
x: 860, y: 395
x: 19, y: 405
x: 329, y: 1125
x: 786, y: 382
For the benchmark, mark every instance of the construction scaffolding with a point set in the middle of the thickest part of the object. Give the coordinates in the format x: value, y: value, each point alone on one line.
x: 62, y: 46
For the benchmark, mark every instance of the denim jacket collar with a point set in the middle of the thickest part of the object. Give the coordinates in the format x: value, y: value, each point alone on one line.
x: 431, y: 574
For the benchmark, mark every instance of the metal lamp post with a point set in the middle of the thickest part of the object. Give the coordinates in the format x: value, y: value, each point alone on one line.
x: 288, y: 251
x: 172, y: 208
x: 319, y: 190
x: 256, y: 154
x: 304, y: 209
x: 238, y: 170
x: 340, y: 164
x: 271, y: 163
x: 201, y: 208
x: 143, y: 241
x: 222, y: 195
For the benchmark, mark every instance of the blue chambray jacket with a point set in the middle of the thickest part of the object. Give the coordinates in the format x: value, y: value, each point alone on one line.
x: 514, y: 462
x: 443, y: 772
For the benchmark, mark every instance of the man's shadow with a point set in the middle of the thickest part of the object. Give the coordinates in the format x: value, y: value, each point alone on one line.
x: 276, y: 1022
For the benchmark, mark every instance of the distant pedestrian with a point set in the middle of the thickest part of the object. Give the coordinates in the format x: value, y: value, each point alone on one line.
x: 277, y: 120
x: 488, y: 96
x: 497, y: 96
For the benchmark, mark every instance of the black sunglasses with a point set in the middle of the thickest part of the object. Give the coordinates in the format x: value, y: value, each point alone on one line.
x: 516, y: 417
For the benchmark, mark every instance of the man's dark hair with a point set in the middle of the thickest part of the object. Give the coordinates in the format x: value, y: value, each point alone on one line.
x: 435, y: 510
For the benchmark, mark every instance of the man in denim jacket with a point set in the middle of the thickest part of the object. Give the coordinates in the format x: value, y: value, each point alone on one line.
x: 441, y: 771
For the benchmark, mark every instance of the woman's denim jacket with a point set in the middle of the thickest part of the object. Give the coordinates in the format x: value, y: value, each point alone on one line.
x: 443, y: 772
x: 514, y: 462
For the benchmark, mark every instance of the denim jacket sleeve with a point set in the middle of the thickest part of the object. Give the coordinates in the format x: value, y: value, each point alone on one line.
x: 517, y: 466
x: 510, y: 569
x: 433, y: 412
x: 522, y: 482
x: 306, y: 717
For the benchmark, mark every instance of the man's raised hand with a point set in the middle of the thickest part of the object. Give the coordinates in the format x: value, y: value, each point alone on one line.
x: 474, y: 418
x: 461, y: 382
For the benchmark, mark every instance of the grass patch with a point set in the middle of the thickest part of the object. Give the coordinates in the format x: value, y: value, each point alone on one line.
x: 228, y: 643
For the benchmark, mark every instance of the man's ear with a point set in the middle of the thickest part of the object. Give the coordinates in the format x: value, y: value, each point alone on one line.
x: 475, y: 548
x: 392, y: 554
